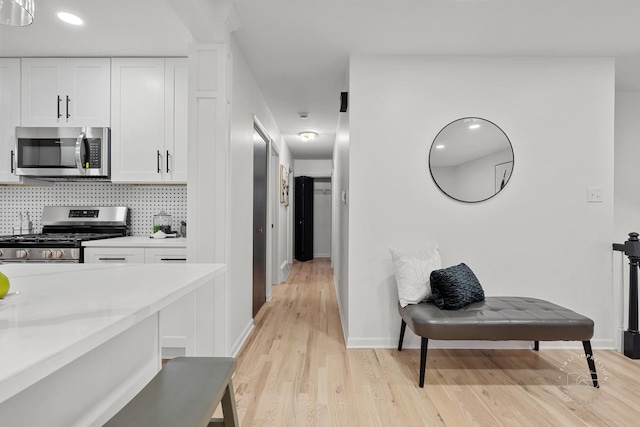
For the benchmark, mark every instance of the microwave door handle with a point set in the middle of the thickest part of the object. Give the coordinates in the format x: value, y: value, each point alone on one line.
x: 79, y: 163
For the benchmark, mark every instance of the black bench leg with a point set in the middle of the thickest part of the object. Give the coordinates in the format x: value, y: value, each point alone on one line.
x: 423, y: 359
x: 592, y: 364
x: 403, y: 327
x: 536, y: 345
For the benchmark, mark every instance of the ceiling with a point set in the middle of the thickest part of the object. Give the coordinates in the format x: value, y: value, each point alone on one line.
x: 298, y: 50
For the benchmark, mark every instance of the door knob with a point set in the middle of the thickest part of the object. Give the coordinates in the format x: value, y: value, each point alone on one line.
x: 260, y: 230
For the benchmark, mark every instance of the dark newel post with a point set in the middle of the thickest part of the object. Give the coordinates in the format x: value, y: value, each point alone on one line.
x: 631, y: 249
x: 633, y: 292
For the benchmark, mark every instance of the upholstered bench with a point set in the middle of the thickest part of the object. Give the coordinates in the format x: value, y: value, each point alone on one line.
x: 498, y: 319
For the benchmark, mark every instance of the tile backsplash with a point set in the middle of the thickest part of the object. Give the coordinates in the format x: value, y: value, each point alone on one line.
x: 143, y: 201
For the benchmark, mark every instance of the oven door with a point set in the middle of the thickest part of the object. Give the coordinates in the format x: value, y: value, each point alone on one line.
x: 62, y: 152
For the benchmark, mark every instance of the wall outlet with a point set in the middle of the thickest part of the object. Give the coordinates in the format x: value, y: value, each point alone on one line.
x: 594, y: 194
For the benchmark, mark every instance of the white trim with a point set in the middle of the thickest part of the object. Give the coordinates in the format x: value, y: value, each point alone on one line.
x: 237, y: 346
x: 343, y: 320
x: 285, y: 270
x: 321, y: 255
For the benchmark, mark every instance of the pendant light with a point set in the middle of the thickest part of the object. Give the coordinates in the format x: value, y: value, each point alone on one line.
x: 16, y: 13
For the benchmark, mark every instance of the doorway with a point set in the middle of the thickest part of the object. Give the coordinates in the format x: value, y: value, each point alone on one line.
x: 260, y: 191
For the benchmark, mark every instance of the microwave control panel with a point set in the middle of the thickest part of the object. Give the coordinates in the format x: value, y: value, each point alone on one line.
x: 95, y: 155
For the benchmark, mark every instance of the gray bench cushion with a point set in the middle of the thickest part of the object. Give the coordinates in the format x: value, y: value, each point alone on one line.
x: 499, y: 318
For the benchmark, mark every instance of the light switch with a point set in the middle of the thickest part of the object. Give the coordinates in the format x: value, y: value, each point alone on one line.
x: 594, y: 194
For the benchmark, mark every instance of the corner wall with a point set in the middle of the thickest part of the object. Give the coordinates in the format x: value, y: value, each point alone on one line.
x: 246, y: 102
x: 340, y: 236
x: 538, y: 238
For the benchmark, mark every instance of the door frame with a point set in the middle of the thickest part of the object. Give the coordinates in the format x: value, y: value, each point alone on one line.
x: 272, y: 206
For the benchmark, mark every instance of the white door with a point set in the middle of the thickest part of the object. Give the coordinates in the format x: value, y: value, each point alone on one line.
x: 42, y: 91
x: 176, y: 120
x: 88, y: 93
x: 9, y: 117
x: 137, y: 120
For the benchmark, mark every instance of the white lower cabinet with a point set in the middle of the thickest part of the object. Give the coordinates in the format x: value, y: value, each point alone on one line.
x: 177, y: 321
x: 114, y: 255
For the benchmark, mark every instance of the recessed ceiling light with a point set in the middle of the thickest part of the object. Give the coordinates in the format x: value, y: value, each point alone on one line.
x: 308, y: 136
x: 474, y: 126
x: 440, y: 146
x: 69, y: 18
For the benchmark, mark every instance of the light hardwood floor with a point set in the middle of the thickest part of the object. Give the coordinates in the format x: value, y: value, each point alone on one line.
x: 294, y: 370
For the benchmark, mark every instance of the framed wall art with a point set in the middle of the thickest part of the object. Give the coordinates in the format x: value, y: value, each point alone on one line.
x: 284, y: 185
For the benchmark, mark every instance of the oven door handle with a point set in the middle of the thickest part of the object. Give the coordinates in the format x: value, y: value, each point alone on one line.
x: 79, y: 163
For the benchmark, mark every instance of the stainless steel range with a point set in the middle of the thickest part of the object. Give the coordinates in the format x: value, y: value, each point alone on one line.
x: 64, y: 228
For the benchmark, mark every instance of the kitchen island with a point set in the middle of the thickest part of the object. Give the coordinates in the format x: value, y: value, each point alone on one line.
x: 78, y: 341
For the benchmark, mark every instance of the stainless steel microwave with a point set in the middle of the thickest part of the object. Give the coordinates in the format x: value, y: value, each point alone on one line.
x: 64, y: 152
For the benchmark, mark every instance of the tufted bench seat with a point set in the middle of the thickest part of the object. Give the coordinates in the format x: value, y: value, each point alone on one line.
x: 498, y: 319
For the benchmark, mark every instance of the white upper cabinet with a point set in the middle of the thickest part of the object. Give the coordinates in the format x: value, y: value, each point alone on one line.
x: 176, y: 119
x: 66, y: 92
x: 149, y: 120
x: 9, y: 117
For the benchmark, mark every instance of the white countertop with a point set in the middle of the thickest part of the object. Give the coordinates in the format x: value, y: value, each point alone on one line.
x: 137, y: 242
x: 55, y: 313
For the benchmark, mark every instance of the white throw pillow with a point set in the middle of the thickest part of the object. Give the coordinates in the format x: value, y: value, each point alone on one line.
x: 413, y: 269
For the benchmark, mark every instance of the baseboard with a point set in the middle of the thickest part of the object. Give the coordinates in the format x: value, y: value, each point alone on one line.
x: 284, y: 271
x: 413, y: 342
x: 322, y: 255
x: 343, y: 321
x: 237, y: 346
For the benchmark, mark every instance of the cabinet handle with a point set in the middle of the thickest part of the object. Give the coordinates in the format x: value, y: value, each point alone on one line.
x: 68, y: 115
x: 12, y: 168
x: 173, y: 259
x: 158, y: 160
x: 112, y: 259
x: 59, y: 100
x: 167, y: 161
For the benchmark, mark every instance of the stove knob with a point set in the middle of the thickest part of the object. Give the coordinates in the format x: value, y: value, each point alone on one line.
x: 22, y: 253
x: 1, y: 253
x: 47, y: 253
x: 58, y: 254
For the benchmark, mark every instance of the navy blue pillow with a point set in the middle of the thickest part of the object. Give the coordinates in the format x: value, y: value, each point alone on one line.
x: 455, y: 287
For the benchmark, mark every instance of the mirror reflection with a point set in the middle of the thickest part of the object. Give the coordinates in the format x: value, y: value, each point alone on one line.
x: 471, y: 159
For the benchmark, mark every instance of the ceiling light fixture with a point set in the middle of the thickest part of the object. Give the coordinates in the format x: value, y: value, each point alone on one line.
x: 474, y: 126
x: 308, y: 136
x: 16, y: 13
x: 440, y: 146
x: 69, y: 18
x: 303, y: 115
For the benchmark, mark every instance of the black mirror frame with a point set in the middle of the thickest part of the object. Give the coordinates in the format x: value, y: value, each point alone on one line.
x: 433, y: 145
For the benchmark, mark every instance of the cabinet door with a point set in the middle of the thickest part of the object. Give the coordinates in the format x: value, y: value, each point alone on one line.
x: 176, y: 120
x: 9, y: 117
x: 88, y: 92
x: 137, y: 120
x: 114, y: 255
x: 177, y: 319
x: 165, y: 255
x: 42, y: 91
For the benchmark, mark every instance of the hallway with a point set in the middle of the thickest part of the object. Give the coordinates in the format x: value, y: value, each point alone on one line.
x: 295, y: 370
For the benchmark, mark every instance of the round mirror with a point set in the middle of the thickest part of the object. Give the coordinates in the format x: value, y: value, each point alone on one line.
x: 471, y: 159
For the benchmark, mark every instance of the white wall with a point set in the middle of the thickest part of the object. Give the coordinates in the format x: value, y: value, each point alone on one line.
x: 627, y: 197
x: 538, y: 238
x: 322, y: 218
x: 313, y: 168
x: 340, y: 185
x: 247, y: 102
